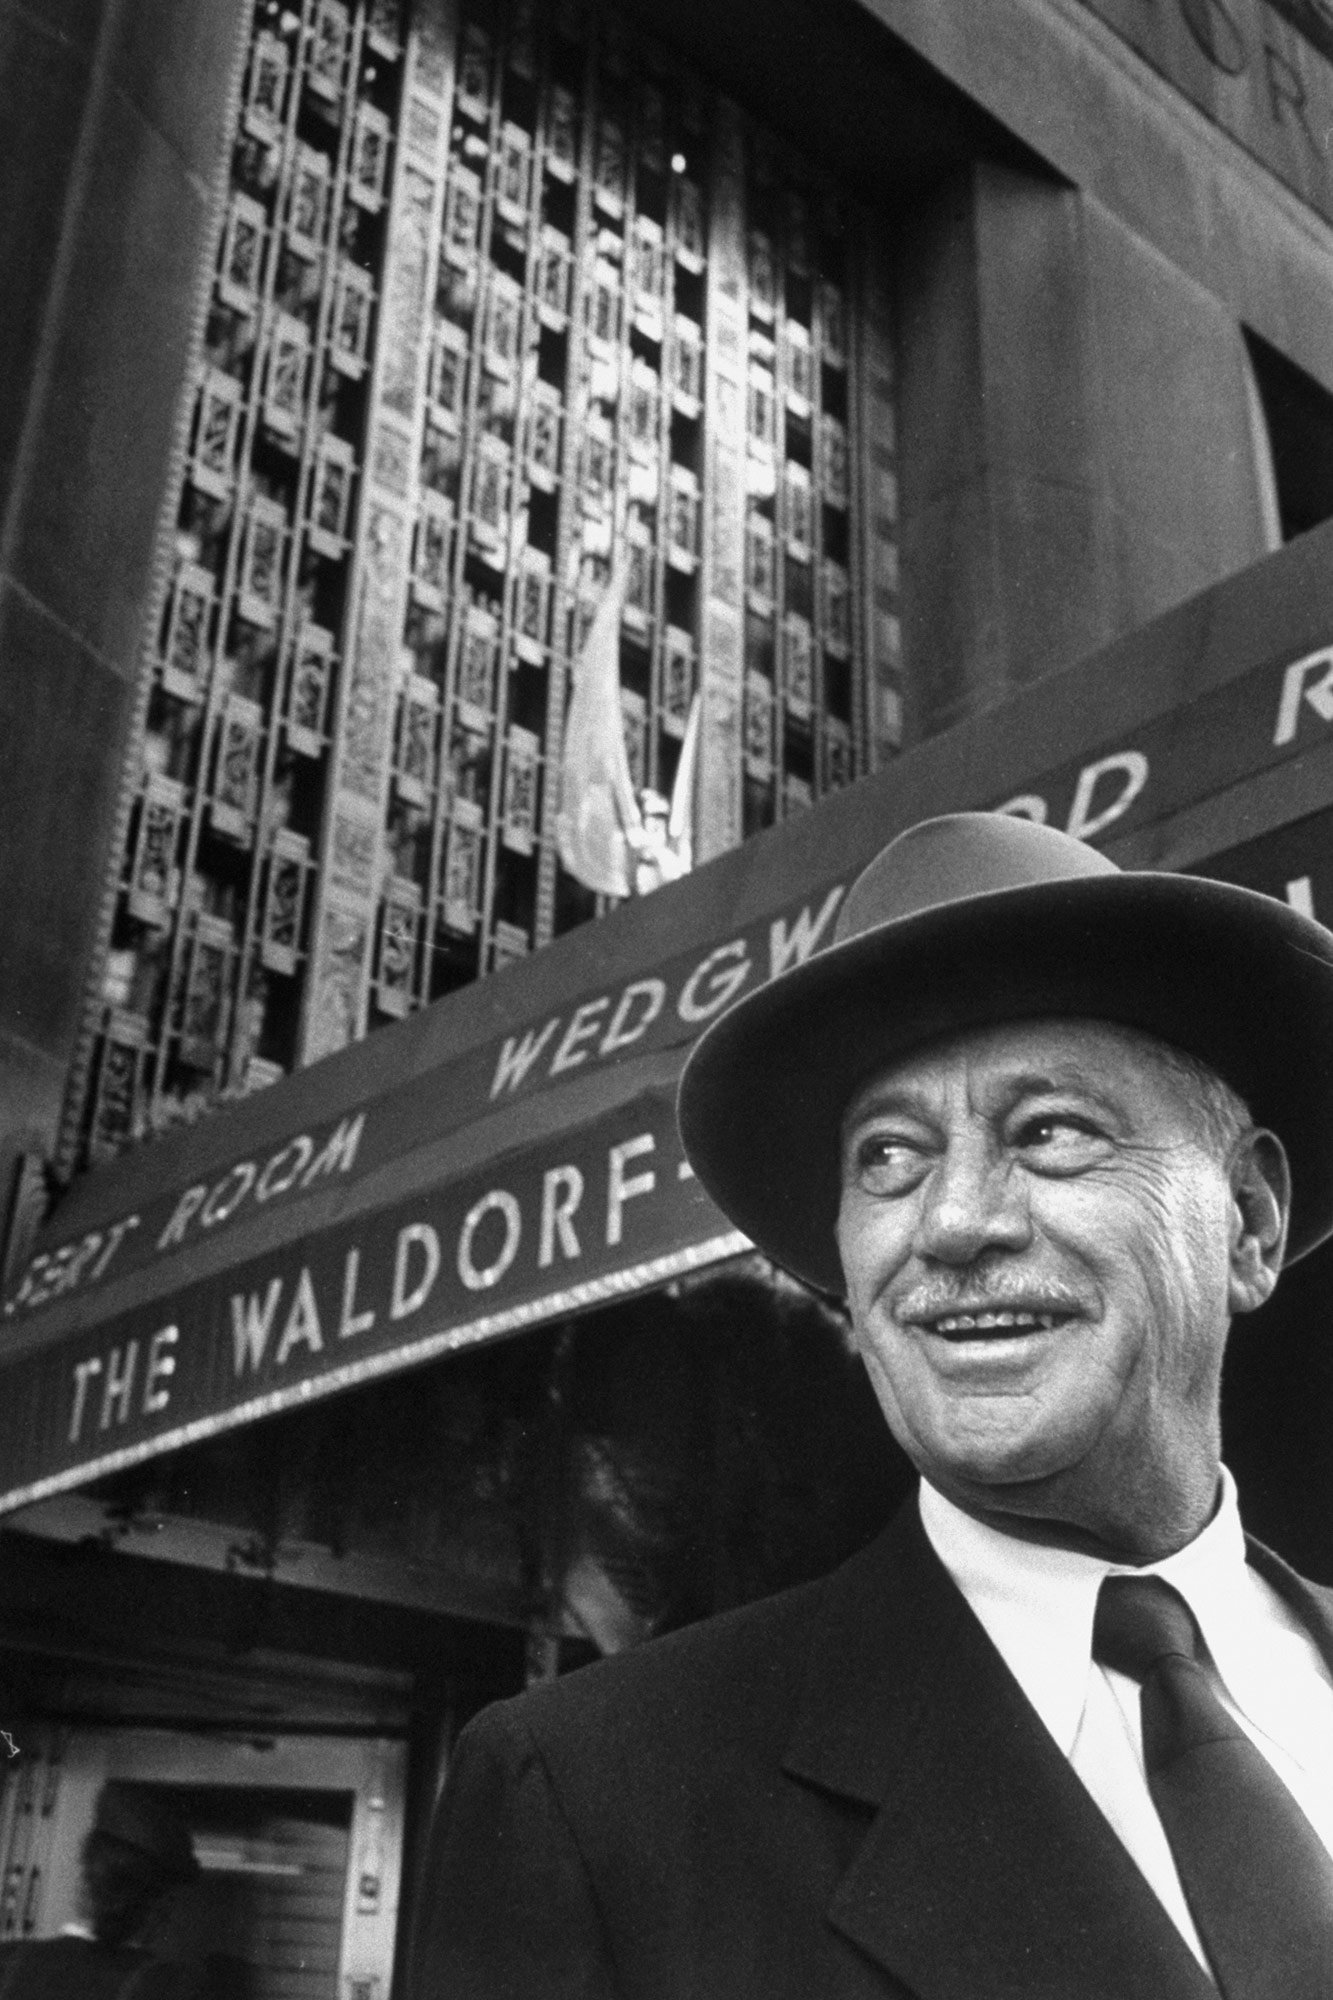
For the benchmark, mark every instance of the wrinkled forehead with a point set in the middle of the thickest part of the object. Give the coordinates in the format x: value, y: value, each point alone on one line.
x: 1056, y: 1052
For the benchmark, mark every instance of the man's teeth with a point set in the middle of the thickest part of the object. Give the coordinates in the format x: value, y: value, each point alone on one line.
x: 986, y: 1322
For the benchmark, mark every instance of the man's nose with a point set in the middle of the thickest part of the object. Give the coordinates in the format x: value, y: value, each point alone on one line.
x: 973, y: 1202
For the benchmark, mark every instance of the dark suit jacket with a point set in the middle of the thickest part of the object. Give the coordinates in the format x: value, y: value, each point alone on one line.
x: 836, y: 1794
x: 71, y: 1968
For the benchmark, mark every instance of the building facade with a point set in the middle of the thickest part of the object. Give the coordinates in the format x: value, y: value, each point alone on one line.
x: 896, y: 391
x: 497, y: 293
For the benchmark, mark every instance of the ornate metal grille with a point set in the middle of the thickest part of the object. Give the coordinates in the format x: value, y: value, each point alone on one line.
x: 501, y: 287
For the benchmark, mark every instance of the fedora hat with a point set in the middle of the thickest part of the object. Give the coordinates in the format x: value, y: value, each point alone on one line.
x: 979, y: 918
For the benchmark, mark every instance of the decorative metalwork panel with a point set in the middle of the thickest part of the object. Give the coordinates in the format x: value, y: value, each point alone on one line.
x: 207, y: 994
x: 236, y: 780
x: 414, y: 775
x: 312, y: 671
x: 460, y: 895
x: 154, y: 871
x: 116, y: 1108
x: 505, y: 296
x: 185, y: 646
x: 399, y: 924
x: 284, y: 902
x: 523, y: 762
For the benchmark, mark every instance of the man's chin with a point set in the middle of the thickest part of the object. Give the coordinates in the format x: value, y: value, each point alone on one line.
x: 1037, y: 1496
x: 1019, y: 1478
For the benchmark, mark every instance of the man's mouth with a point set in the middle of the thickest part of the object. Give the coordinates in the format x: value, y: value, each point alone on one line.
x: 988, y: 1321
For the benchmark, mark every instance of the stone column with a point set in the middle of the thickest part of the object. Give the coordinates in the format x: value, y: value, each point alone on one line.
x: 1077, y: 443
x: 114, y: 117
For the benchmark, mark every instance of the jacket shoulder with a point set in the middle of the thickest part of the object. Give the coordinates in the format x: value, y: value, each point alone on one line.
x: 747, y: 1662
x: 631, y: 1830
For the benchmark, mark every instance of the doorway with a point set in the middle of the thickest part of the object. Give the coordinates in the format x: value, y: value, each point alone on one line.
x: 299, y: 1840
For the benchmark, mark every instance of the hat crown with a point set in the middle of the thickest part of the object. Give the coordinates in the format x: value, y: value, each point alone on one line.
x: 959, y: 855
x: 975, y: 919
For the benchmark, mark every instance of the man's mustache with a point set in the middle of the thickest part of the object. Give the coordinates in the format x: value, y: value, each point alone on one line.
x: 1032, y: 1292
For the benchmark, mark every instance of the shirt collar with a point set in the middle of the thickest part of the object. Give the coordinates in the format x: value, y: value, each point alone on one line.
x: 1263, y: 1654
x: 1037, y: 1602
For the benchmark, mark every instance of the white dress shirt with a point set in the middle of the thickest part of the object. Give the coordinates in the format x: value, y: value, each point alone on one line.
x: 1037, y: 1605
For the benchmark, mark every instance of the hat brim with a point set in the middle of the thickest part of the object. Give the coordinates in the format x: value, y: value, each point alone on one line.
x: 1234, y: 978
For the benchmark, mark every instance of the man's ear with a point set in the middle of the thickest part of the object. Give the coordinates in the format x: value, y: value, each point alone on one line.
x: 1261, y: 1193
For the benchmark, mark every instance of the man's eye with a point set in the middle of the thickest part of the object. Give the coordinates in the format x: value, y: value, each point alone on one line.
x: 1059, y: 1138
x: 884, y: 1165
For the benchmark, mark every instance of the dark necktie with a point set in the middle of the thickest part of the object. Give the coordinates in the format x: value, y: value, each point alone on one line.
x: 1257, y: 1878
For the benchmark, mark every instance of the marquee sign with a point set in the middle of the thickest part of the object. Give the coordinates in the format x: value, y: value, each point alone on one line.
x: 506, y: 1175
x: 1256, y: 721
x: 608, y: 1207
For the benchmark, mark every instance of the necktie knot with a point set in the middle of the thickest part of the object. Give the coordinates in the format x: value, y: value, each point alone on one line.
x: 1141, y: 1620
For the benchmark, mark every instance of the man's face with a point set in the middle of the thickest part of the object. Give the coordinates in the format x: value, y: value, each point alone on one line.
x: 1043, y: 1249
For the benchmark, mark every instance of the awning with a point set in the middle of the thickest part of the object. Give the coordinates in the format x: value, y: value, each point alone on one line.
x: 509, y: 1155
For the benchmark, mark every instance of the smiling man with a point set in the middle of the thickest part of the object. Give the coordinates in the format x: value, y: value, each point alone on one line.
x: 1061, y: 1731
x: 1045, y: 1229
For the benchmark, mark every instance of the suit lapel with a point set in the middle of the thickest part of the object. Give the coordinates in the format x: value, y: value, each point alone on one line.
x: 986, y: 1868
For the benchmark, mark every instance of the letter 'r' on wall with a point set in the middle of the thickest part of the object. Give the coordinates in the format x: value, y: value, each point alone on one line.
x: 1308, y: 681
x: 562, y: 1191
